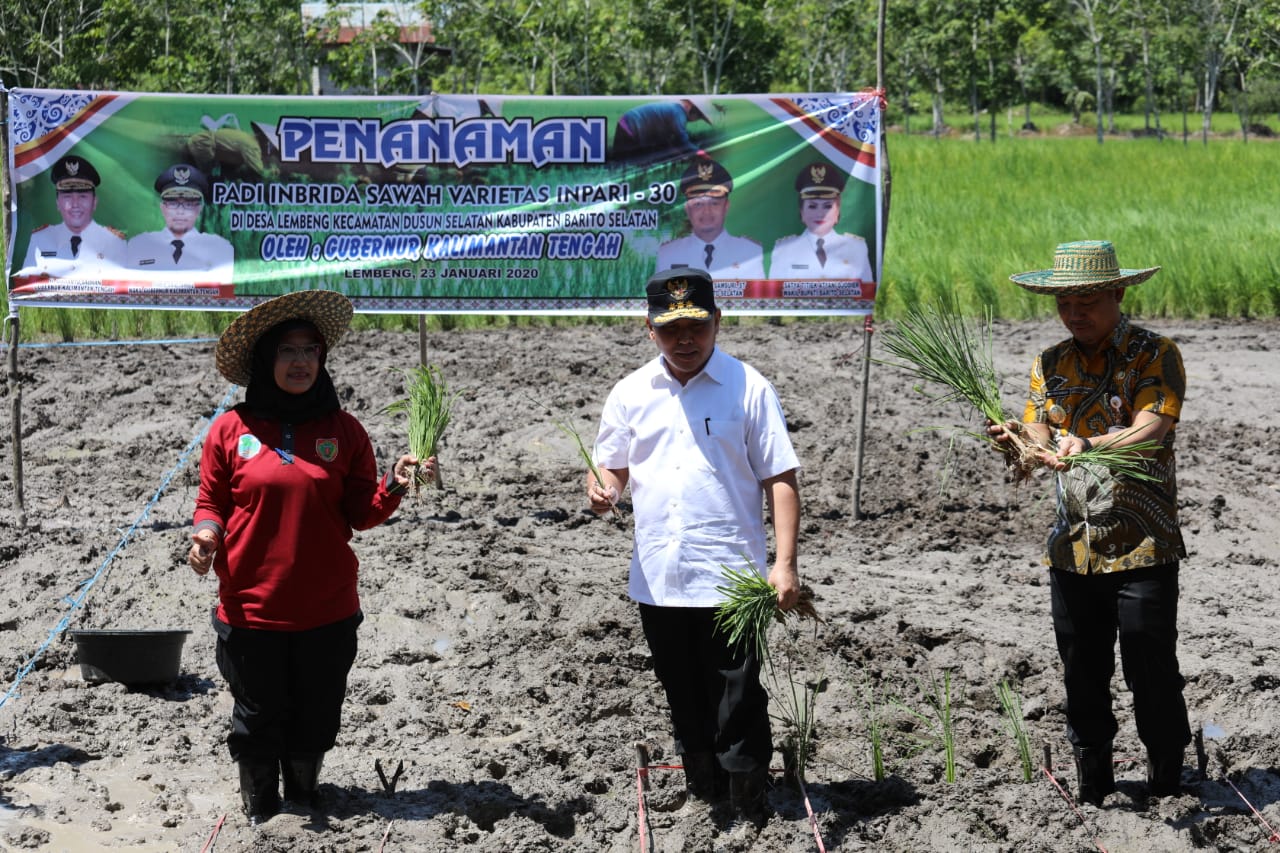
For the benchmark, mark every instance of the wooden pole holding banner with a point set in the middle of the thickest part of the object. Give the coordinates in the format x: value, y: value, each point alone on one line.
x: 886, y: 182
x: 11, y: 321
x: 15, y: 397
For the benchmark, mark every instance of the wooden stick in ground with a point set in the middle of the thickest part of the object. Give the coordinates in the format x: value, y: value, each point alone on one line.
x: 642, y: 785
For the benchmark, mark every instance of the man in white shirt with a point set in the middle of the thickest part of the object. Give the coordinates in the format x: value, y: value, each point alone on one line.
x: 701, y: 439
x: 706, y: 186
x: 77, y: 246
x: 179, y: 247
x: 820, y: 252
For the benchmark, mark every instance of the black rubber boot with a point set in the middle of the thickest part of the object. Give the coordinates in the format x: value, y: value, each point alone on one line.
x: 260, y: 789
x: 1095, y: 774
x: 747, y: 796
x: 1164, y: 772
x: 302, y: 780
x: 700, y: 776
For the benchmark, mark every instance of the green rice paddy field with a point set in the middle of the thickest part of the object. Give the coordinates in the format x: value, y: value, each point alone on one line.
x: 965, y: 215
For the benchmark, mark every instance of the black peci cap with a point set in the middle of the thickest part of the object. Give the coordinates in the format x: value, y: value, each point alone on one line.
x: 182, y: 181
x: 74, y: 174
x: 680, y: 294
x: 820, y: 180
x: 706, y: 177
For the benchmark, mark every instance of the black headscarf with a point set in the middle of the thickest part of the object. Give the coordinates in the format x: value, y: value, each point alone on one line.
x: 267, y: 399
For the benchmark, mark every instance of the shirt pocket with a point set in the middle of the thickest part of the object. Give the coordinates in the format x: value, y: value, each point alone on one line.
x: 723, y: 441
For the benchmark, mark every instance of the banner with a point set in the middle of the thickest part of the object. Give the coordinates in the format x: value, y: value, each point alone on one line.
x: 443, y: 204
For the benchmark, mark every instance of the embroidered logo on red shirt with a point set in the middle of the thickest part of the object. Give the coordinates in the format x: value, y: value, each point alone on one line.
x: 327, y: 448
x: 248, y: 446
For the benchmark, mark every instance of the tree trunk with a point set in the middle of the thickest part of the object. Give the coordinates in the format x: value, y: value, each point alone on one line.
x: 1242, y: 107
x: 937, y: 104
x: 973, y: 107
x: 1097, y: 83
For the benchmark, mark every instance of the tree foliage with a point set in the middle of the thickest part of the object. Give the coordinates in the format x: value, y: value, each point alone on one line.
x: 990, y: 55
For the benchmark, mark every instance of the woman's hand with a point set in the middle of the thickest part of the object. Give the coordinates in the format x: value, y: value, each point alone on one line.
x: 204, y: 544
x: 408, y: 466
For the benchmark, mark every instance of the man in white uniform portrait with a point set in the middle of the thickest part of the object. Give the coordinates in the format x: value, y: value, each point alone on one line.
x: 706, y: 186
x: 77, y: 246
x: 179, y: 247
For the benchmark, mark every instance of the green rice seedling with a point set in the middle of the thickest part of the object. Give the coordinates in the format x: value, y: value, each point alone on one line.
x: 428, y: 409
x: 750, y: 606
x: 795, y: 696
x: 873, y: 719
x: 1128, y: 461
x: 565, y: 427
x: 798, y: 704
x: 748, y: 612
x: 939, y: 700
x: 940, y: 721
x: 1011, y: 704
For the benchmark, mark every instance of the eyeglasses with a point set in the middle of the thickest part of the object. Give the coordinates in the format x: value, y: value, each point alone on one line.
x: 305, y: 352
x: 182, y: 203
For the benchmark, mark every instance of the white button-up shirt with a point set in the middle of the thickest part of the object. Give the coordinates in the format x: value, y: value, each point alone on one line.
x: 731, y: 258
x: 797, y: 257
x: 696, y: 456
x: 152, y: 251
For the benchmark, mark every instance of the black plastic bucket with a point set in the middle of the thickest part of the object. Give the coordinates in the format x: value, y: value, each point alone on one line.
x: 128, y: 656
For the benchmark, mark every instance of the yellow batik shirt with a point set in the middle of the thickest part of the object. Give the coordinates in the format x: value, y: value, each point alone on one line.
x: 1090, y: 396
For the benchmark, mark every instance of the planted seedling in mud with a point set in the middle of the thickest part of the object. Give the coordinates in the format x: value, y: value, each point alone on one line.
x: 428, y: 407
x: 749, y: 610
x: 1011, y: 703
x: 873, y: 714
x: 939, y: 719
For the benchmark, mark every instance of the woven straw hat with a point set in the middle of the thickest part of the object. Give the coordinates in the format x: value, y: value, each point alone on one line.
x: 705, y: 109
x: 327, y: 310
x: 1084, y: 266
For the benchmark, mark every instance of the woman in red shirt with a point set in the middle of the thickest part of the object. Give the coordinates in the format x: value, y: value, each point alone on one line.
x: 285, y: 477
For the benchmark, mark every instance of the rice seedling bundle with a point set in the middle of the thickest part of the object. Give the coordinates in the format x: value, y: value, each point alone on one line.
x: 751, y: 606
x: 428, y: 408
x: 940, y: 348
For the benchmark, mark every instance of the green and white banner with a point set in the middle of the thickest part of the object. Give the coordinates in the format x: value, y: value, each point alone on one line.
x: 443, y: 204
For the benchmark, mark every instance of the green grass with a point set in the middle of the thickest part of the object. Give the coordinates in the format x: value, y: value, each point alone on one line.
x: 1058, y: 122
x: 965, y: 216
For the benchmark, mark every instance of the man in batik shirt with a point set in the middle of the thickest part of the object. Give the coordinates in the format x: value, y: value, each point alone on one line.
x: 1115, y: 547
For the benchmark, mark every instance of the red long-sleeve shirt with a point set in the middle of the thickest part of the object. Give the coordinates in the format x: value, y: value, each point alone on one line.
x: 285, y: 562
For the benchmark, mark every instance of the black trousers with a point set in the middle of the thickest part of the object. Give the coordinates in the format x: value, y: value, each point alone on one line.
x: 717, y: 702
x: 288, y: 687
x: 1141, y: 607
